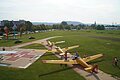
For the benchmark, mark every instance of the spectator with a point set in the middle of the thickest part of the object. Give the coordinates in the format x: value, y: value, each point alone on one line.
x: 76, y: 55
x: 65, y: 55
x: 115, y: 61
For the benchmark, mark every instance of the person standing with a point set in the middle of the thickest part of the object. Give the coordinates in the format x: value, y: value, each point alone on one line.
x: 76, y: 55
x: 115, y: 61
x: 65, y: 55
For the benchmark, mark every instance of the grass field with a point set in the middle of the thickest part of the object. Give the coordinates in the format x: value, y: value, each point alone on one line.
x: 91, y: 42
x: 34, y: 46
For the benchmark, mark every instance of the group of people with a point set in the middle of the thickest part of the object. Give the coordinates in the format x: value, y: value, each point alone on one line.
x: 65, y: 57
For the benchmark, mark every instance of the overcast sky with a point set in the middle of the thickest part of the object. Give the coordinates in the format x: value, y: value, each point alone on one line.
x: 86, y: 11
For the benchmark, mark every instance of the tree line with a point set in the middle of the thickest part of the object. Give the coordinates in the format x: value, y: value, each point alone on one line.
x: 29, y: 27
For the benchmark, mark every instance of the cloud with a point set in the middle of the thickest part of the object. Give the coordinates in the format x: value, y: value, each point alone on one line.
x: 102, y: 11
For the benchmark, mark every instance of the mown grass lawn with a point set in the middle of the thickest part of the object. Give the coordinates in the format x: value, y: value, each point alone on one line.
x: 34, y: 46
x: 89, y: 45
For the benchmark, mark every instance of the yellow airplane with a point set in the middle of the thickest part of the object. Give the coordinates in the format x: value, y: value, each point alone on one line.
x: 80, y: 61
x: 51, y: 44
x: 62, y: 51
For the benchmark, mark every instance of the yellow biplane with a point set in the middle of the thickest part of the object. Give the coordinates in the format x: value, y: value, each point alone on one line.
x: 80, y: 61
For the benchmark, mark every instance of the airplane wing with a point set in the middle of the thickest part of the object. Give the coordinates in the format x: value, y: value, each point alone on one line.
x: 45, y: 50
x: 68, y: 48
x: 7, y: 52
x: 59, y: 42
x: 64, y: 54
x: 60, y: 61
x: 53, y: 50
x: 90, y: 58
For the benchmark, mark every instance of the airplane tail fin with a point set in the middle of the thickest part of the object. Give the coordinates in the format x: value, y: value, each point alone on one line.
x: 93, y: 68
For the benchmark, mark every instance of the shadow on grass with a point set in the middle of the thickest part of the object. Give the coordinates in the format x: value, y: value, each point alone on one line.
x: 115, y: 76
x: 116, y: 66
x: 55, y: 71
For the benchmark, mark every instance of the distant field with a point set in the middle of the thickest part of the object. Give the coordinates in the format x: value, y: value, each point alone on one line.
x: 91, y: 42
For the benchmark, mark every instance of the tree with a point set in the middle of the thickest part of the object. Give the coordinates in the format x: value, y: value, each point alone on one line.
x: 43, y: 27
x: 100, y: 27
x: 21, y: 28
x: 68, y: 27
x: 64, y: 23
x: 61, y: 27
x: 9, y: 24
x: 1, y: 32
x: 28, y: 25
x: 78, y: 27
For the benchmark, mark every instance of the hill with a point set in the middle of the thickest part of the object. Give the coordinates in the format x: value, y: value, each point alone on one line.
x: 73, y: 22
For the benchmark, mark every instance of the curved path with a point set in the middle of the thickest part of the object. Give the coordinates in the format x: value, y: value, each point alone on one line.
x: 28, y: 43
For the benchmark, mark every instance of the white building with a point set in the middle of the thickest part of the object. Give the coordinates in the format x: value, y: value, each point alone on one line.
x: 111, y: 28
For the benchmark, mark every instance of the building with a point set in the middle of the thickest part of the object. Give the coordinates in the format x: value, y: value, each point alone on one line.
x: 111, y: 28
x: 17, y: 23
x: 1, y: 24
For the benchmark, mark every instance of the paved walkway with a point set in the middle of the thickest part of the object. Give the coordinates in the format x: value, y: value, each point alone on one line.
x: 28, y: 43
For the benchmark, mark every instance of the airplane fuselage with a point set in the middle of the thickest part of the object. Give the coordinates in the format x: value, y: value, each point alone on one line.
x: 59, y: 50
x: 82, y: 62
